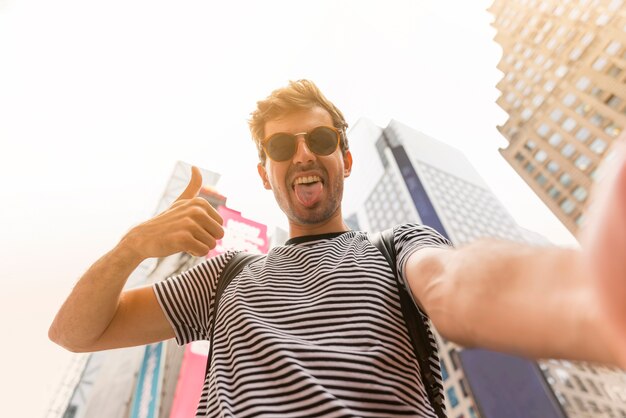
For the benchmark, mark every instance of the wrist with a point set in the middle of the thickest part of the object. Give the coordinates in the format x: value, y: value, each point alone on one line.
x: 129, y: 251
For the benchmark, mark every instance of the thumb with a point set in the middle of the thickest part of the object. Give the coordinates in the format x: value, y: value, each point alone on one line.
x: 195, y: 183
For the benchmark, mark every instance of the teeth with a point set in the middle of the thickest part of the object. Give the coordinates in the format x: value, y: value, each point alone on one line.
x: 308, y: 179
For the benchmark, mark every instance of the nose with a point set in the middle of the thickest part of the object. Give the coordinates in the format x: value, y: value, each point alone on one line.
x: 303, y: 154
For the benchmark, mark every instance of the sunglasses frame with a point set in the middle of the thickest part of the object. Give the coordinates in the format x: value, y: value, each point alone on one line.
x: 306, y: 136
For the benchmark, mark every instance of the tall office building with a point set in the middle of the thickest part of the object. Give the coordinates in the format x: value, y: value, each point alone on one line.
x: 564, y: 88
x: 406, y: 176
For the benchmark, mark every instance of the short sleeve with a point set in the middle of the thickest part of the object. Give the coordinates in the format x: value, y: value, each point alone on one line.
x: 187, y: 298
x: 409, y: 238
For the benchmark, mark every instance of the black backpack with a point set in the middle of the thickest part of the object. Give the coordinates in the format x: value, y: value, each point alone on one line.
x: 424, y: 344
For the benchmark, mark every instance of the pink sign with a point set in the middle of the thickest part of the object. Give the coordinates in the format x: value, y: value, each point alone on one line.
x: 239, y: 234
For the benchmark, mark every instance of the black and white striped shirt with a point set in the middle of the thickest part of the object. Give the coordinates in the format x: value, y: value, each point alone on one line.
x: 313, y: 329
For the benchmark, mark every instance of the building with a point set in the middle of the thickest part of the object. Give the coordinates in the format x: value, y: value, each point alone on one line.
x: 406, y: 176
x: 564, y: 89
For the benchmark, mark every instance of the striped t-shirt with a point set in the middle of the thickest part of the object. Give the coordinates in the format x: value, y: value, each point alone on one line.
x: 313, y: 329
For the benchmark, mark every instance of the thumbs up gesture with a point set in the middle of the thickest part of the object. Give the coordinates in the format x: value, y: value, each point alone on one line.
x: 191, y: 225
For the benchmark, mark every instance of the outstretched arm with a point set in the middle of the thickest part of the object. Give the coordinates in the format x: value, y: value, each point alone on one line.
x: 536, y: 301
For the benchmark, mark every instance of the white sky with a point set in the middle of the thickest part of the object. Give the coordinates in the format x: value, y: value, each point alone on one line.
x: 98, y: 100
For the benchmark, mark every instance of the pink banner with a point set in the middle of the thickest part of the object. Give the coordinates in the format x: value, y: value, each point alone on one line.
x: 239, y: 234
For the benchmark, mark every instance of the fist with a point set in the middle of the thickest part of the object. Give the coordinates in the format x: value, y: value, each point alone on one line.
x: 191, y: 225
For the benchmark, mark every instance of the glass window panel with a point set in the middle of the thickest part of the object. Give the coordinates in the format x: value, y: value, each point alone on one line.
x: 580, y: 193
x: 541, y: 179
x: 597, y: 92
x: 583, y: 83
x: 612, y: 130
x: 529, y: 167
x: 561, y: 71
x: 530, y: 145
x: 568, y: 150
x: 575, y: 54
x: 519, y: 157
x: 549, y: 86
x: 543, y: 130
x: 614, y: 71
x: 556, y: 115
x: 526, y: 114
x: 597, y: 119
x: 537, y: 100
x: 568, y: 206
x: 565, y: 180
x: 553, y: 167
x: 583, y: 134
x: 582, y: 162
x: 569, y: 99
x: 569, y: 124
x: 598, y: 146
x: 554, y: 193
x: 555, y: 139
x: 541, y: 156
x: 613, y: 101
x: 613, y: 48
x: 452, y: 397
x: 599, y: 64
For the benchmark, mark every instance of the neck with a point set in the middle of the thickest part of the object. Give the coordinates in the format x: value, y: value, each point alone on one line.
x: 333, y: 224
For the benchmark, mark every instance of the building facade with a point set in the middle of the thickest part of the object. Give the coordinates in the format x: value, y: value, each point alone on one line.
x: 414, y: 178
x: 564, y: 89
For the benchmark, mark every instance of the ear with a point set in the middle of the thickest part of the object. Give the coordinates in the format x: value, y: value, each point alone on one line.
x: 347, y: 164
x: 263, y: 174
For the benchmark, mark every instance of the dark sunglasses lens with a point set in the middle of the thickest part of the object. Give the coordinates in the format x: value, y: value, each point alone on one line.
x: 322, y: 141
x: 281, y: 147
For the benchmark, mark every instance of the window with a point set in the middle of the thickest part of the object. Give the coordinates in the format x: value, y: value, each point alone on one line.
x: 452, y: 398
x: 537, y: 100
x: 549, y: 86
x: 583, y: 83
x: 464, y: 389
x: 510, y: 97
x: 569, y: 124
x: 575, y: 54
x: 541, y: 156
x: 580, y: 193
x: 543, y: 130
x: 444, y: 370
x: 599, y: 64
x: 613, y: 101
x: 553, y: 167
x: 454, y: 357
x: 565, y: 180
x: 472, y: 412
x: 598, y: 146
x: 568, y: 150
x: 526, y: 114
x: 580, y: 219
x: 582, y: 109
x: 612, y: 130
x: 597, y: 92
x: 582, y: 162
x: 555, y: 139
x: 530, y: 145
x: 586, y: 40
x: 561, y: 71
x: 568, y: 207
x: 613, y: 48
x: 556, y: 115
x: 529, y: 167
x: 583, y: 134
x: 519, y: 157
x: 614, y: 71
x: 569, y: 99
x: 554, y: 193
x: 597, y: 119
x: 541, y: 179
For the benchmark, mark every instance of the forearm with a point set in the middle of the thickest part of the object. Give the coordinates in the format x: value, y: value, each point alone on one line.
x: 515, y: 298
x: 94, y: 300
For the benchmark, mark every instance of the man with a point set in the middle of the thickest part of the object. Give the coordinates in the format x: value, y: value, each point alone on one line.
x: 315, y: 327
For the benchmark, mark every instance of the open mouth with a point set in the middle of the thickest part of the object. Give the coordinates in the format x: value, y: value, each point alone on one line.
x: 308, y: 189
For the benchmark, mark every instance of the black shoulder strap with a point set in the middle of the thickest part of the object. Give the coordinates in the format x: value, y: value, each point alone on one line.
x: 415, y: 323
x: 230, y: 270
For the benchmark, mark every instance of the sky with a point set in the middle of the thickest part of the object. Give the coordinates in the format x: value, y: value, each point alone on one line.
x: 98, y: 100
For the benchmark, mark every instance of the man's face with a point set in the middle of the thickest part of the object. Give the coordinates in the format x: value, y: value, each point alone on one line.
x: 307, y: 187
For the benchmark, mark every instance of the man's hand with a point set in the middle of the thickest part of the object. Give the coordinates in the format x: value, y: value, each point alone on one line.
x: 191, y: 224
x: 604, y: 244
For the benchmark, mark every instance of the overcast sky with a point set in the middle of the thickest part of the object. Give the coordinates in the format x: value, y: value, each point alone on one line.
x: 98, y: 100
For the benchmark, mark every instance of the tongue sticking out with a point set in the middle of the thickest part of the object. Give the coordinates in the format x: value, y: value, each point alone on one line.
x: 309, y: 194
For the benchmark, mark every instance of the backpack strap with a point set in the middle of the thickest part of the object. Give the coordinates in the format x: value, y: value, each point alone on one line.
x: 232, y: 268
x: 424, y: 345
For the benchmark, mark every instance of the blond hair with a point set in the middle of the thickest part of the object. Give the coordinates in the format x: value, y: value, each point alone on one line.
x: 298, y: 95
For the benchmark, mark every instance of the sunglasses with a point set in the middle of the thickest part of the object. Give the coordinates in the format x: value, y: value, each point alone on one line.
x: 282, y: 146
